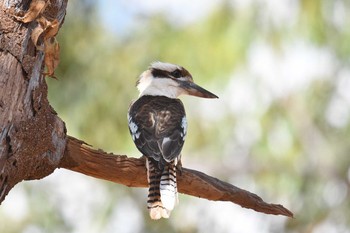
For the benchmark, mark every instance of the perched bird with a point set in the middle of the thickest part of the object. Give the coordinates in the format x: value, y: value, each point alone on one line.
x: 158, y: 126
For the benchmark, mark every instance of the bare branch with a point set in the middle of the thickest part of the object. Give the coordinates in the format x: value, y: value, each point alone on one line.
x: 131, y: 172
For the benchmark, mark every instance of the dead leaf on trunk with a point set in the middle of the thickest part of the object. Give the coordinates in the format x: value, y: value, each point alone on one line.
x: 52, y: 56
x: 52, y: 29
x: 35, y: 9
x: 44, y: 33
x: 44, y: 30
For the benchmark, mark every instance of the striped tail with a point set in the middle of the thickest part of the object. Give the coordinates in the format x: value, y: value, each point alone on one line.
x: 162, y: 193
x: 168, y: 187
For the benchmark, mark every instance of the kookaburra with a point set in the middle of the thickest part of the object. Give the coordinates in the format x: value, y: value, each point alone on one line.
x: 158, y: 125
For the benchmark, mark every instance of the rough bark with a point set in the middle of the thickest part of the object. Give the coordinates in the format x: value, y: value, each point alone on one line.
x: 32, y: 137
x: 33, y: 140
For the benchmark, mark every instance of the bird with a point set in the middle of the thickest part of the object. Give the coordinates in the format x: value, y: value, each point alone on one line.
x: 158, y: 126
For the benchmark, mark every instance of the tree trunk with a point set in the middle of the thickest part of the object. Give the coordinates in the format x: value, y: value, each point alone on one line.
x: 33, y: 137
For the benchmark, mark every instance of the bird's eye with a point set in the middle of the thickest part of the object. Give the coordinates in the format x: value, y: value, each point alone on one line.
x: 176, y: 73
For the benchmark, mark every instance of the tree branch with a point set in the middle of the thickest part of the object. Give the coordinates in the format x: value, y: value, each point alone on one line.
x: 82, y: 158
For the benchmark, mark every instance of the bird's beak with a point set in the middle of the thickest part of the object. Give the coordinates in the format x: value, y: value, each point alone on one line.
x: 191, y: 88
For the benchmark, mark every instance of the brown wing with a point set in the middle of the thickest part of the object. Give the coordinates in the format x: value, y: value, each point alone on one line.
x: 158, y: 127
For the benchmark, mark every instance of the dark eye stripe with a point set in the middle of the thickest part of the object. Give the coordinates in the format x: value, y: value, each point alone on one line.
x: 178, y: 73
x: 159, y: 73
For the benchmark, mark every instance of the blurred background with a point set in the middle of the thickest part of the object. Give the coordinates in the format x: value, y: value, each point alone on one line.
x: 280, y: 128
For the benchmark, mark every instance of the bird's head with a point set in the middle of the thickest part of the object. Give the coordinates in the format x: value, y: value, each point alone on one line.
x: 165, y: 79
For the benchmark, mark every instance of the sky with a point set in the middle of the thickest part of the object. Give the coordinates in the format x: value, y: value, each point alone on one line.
x: 120, y: 16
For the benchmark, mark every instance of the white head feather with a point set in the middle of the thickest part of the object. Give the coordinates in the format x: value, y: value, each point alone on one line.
x: 165, y: 66
x: 149, y: 85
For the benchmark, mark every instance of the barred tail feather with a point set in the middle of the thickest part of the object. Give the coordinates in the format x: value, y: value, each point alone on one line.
x: 154, y: 203
x: 168, y: 187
